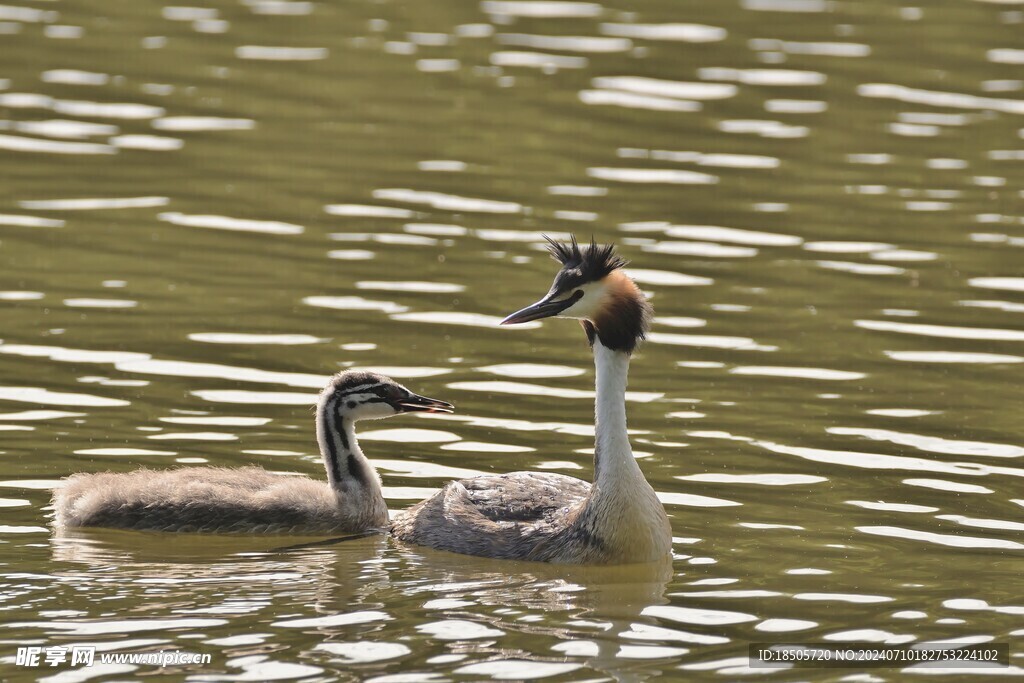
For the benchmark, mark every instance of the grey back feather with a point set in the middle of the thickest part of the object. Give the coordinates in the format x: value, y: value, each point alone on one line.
x: 521, y: 515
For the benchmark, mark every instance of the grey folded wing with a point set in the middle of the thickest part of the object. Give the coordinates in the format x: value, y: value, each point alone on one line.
x: 502, y: 516
x: 523, y: 496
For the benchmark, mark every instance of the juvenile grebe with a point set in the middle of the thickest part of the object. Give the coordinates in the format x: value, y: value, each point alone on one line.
x: 250, y: 499
x: 551, y: 517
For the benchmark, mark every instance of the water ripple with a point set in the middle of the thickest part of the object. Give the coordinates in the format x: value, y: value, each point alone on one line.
x: 278, y: 398
x: 424, y: 287
x: 847, y: 247
x: 30, y: 221
x: 784, y: 625
x: 708, y: 249
x: 861, y: 268
x: 720, y: 160
x: 458, y: 629
x: 869, y: 635
x: 125, y: 626
x: 227, y: 223
x: 775, y: 77
x: 708, y: 341
x: 123, y: 453
x: 798, y: 6
x: 1012, y: 284
x: 822, y: 49
x: 886, y: 462
x: 589, y: 44
x: 537, y: 60
x: 944, y: 485
x: 367, y: 211
x: 242, y: 338
x: 759, y: 479
x: 652, y: 175
x: 346, y: 619
x: 409, y: 435
x: 153, y: 143
x: 953, y: 357
x: 61, y: 128
x: 635, y: 101
x: 662, y: 88
x: 531, y: 370
x: 37, y: 415
x: 666, y: 278
x: 457, y: 318
x: 766, y: 129
x: 354, y: 303
x: 100, y: 303
x: 201, y: 123
x: 94, y: 203
x: 503, y: 387
x: 842, y: 597
x: 694, y: 500
x: 892, y: 507
x: 57, y: 398
x: 447, y: 202
x: 800, y: 373
x: 285, y: 54
x: 939, y: 99
x: 687, y: 33
x: 27, y: 14
x: 955, y: 541
x: 689, y: 615
x: 978, y: 604
x: 106, y: 110
x: 638, y: 631
x: 944, y: 331
x: 16, y: 143
x: 363, y: 652
x: 997, y: 524
x: 541, y: 9
x: 291, y: 8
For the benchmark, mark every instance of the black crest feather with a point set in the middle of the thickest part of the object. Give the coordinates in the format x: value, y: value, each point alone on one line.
x: 594, y: 261
x: 624, y: 322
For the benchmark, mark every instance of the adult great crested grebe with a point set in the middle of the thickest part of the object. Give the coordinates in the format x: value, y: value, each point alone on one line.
x: 250, y: 499
x: 551, y: 517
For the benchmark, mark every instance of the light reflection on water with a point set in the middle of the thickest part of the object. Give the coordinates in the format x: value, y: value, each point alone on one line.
x: 208, y: 210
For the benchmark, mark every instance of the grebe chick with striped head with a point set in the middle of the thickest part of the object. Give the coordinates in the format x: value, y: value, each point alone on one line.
x: 549, y: 517
x: 250, y: 499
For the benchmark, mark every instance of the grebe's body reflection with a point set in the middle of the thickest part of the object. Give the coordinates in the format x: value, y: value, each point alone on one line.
x: 363, y: 598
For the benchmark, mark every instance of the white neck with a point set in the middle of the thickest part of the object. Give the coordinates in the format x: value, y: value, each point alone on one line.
x: 350, y: 475
x: 613, y: 456
x: 622, y: 510
x: 348, y: 470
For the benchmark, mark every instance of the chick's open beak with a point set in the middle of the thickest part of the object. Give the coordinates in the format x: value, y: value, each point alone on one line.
x: 414, y: 403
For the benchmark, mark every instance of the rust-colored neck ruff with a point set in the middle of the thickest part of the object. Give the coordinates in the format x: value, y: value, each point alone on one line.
x: 624, y: 317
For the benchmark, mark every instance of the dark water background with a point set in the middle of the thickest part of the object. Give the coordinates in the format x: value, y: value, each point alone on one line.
x: 204, y: 211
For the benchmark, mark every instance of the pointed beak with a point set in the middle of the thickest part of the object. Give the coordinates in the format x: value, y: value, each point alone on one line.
x: 545, y: 308
x: 414, y: 403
